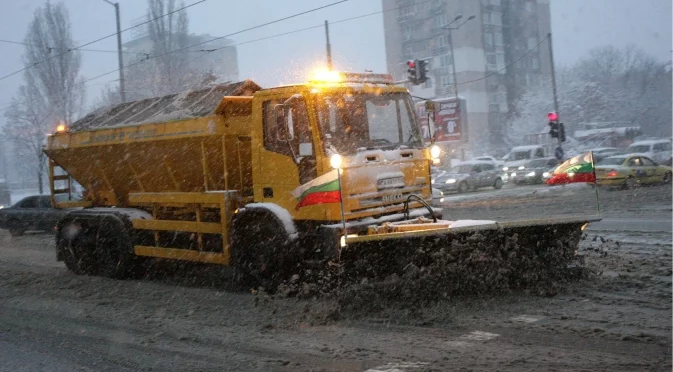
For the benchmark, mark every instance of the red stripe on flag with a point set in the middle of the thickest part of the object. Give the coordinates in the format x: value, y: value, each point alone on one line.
x: 320, y: 198
x: 563, y: 178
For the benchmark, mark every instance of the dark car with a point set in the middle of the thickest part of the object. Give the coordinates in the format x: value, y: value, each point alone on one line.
x: 533, y: 172
x: 33, y: 213
x: 469, y: 175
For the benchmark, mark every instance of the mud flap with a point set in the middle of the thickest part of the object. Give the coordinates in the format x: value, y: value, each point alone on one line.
x: 467, y: 260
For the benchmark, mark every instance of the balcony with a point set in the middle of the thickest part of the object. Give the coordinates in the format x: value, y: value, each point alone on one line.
x: 406, y: 18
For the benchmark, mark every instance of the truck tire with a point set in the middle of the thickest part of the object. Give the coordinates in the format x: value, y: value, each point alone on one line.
x: 114, y: 251
x: 260, y: 250
x: 77, y: 253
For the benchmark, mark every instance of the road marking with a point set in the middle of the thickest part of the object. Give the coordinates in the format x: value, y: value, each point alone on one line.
x: 479, y: 336
x: 398, y: 367
x: 525, y: 319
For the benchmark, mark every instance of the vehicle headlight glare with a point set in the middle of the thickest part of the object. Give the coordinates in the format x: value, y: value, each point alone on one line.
x: 450, y: 180
x: 505, y: 168
x: 513, y: 174
x: 335, y: 161
x: 435, y: 151
x: 545, y: 174
x: 531, y: 174
x: 521, y: 167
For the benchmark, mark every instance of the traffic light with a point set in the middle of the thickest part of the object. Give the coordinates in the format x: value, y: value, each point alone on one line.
x: 411, y: 72
x: 553, y: 125
x: 561, y: 132
x: 421, y: 71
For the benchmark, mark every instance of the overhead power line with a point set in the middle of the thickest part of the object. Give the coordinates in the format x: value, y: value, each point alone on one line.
x: 221, y: 37
x: 99, y: 39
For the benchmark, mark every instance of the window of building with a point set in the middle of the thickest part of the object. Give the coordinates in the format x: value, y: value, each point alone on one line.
x: 535, y: 62
x: 445, y: 60
x: 488, y: 39
x: 486, y: 18
x: 496, y: 19
x: 441, y: 20
x: 428, y: 83
x: 500, y: 60
x: 405, y: 10
x: 445, y: 81
x: 532, y: 42
x: 497, y: 38
x: 490, y: 58
x: 530, y: 6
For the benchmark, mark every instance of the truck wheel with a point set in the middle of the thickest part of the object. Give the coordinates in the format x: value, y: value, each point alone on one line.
x: 260, y: 248
x: 463, y: 187
x: 498, y: 184
x: 114, y: 251
x: 77, y: 254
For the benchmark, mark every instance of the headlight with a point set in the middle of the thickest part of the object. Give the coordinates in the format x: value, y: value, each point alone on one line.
x: 505, y: 168
x: 435, y: 151
x: 335, y: 161
x: 450, y: 180
x: 521, y: 167
x: 513, y: 174
x: 545, y: 174
x: 531, y: 174
x: 432, y: 180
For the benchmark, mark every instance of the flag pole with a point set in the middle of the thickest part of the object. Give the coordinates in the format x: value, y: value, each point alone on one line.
x: 593, y: 169
x: 343, y: 216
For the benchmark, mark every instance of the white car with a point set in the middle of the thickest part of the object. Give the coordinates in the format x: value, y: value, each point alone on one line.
x: 496, y: 161
x: 657, y: 150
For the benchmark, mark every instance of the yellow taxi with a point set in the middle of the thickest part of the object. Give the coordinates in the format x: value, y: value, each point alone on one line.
x: 630, y: 170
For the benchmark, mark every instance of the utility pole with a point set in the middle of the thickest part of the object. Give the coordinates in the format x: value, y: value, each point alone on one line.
x: 122, y: 90
x: 553, y: 84
x: 329, y: 47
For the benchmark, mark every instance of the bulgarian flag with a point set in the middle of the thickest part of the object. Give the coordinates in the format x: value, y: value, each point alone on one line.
x: 324, y: 189
x: 577, y: 169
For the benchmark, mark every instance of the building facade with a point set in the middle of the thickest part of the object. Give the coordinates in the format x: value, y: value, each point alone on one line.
x: 487, y: 51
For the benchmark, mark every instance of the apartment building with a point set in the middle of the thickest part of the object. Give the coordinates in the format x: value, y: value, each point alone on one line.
x: 485, y: 49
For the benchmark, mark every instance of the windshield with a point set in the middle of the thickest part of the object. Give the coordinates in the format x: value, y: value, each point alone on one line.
x: 611, y: 161
x: 358, y: 121
x: 538, y: 163
x: 467, y: 168
x: 639, y: 148
x: 518, y: 155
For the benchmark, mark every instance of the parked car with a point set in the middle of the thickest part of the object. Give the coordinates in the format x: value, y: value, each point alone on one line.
x: 498, y: 162
x: 469, y: 175
x: 533, y: 171
x: 33, y: 213
x: 657, y: 150
x: 520, y: 155
x: 604, y: 152
x: 628, y: 171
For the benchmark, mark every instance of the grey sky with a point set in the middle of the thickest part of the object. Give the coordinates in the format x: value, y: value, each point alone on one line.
x: 577, y: 26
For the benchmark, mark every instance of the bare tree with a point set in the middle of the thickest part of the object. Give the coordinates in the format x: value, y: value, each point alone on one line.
x: 53, y: 92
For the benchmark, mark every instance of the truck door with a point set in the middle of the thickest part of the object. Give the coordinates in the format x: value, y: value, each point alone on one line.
x: 289, y: 138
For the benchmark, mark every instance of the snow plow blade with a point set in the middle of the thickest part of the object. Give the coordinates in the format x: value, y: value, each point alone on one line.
x: 471, y: 256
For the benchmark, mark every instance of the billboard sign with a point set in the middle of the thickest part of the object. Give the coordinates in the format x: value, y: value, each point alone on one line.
x: 446, y: 123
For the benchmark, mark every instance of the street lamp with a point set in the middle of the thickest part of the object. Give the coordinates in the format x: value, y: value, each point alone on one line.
x: 119, y: 52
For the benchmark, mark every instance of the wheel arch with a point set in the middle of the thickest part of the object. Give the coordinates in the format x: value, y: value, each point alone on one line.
x: 280, y: 215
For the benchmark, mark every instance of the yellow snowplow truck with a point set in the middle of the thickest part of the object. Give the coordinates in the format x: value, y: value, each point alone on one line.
x: 334, y: 169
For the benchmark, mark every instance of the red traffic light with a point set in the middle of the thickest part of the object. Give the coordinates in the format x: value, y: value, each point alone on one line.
x: 552, y: 116
x: 411, y: 64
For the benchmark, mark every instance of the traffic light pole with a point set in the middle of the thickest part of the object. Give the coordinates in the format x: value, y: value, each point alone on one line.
x: 553, y: 84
